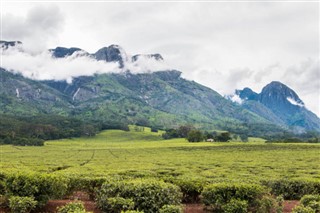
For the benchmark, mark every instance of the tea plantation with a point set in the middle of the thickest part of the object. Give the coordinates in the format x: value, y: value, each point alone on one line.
x: 131, y: 162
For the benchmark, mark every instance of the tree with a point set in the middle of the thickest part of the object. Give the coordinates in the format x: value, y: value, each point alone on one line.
x: 223, y: 137
x: 195, y: 136
x: 184, y: 130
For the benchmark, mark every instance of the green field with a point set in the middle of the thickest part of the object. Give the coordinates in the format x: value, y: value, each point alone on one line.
x: 146, y: 154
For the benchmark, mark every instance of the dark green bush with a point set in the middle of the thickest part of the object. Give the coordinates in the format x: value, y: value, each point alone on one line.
x: 41, y: 187
x: 21, y: 204
x: 293, y: 189
x: 132, y: 211
x: 171, y: 209
x: 148, y: 195
x: 235, y: 206
x: 218, y: 195
x: 72, y: 207
x: 117, y: 204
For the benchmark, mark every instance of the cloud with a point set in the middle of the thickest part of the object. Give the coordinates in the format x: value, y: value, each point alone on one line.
x: 42, y: 66
x: 36, y: 28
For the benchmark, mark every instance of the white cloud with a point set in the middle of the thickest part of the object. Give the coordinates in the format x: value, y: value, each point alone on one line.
x: 42, y: 66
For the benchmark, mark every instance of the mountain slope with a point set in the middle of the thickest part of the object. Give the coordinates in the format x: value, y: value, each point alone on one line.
x: 161, y: 99
x: 278, y: 103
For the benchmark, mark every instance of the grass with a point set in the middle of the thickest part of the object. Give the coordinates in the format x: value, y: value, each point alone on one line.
x: 146, y: 154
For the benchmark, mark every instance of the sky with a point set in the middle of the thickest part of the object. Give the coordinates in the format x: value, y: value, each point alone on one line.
x: 223, y: 45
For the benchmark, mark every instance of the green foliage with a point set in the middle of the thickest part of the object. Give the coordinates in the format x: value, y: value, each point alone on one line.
x: 190, y: 188
x: 293, y: 189
x: 32, y: 131
x: 218, y: 195
x: 195, y: 136
x: 85, y: 184
x: 21, y: 204
x: 41, y: 187
x: 171, y: 209
x: 72, y: 207
x: 223, y: 137
x: 148, y: 195
x: 116, y: 204
x: 235, y: 206
x: 303, y: 209
x: 269, y: 204
x: 307, y: 200
x: 132, y: 211
x: 309, y: 203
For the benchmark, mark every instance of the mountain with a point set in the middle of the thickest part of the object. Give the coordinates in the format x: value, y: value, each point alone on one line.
x: 161, y: 99
x: 280, y: 104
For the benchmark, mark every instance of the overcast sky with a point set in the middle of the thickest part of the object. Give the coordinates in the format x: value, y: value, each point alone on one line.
x: 223, y: 45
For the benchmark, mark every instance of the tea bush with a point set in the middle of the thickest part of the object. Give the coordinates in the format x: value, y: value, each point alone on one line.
x: 308, y: 203
x: 191, y: 189
x: 171, y: 209
x: 41, y: 187
x: 235, y: 206
x: 221, y: 194
x: 293, y: 189
x: 21, y: 204
x: 117, y: 204
x: 72, y: 207
x: 147, y: 195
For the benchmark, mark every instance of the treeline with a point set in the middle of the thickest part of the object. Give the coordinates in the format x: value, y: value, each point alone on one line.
x: 35, y: 130
x: 194, y: 135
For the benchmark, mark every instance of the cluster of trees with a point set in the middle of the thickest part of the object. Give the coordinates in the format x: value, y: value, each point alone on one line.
x: 35, y: 130
x: 194, y: 135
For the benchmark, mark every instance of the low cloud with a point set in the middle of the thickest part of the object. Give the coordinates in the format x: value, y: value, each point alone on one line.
x: 42, y: 66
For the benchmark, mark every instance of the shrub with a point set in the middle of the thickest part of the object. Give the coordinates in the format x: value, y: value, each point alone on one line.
x: 268, y: 204
x: 89, y: 185
x: 21, y: 204
x: 308, y: 203
x: 147, y: 195
x: 235, y: 206
x: 191, y: 189
x: 132, y: 211
x: 302, y: 209
x: 40, y: 186
x: 293, y: 189
x: 218, y: 195
x: 72, y: 207
x: 117, y: 204
x: 309, y: 199
x: 4, y: 202
x: 171, y: 209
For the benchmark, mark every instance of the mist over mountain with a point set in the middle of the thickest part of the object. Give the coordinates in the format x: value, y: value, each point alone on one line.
x: 111, y: 86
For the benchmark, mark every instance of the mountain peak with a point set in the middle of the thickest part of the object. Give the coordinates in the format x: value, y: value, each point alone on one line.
x: 277, y: 91
x: 61, y: 52
x: 6, y: 44
x: 112, y: 53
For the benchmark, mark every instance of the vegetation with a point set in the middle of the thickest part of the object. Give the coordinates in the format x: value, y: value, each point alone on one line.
x: 120, y: 164
x: 72, y: 207
x: 144, y: 195
x: 21, y: 204
x: 308, y: 204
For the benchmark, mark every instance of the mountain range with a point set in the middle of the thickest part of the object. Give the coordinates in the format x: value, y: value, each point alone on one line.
x: 160, y: 99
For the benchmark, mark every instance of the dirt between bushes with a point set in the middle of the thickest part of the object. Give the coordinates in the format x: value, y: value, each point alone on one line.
x: 90, y: 206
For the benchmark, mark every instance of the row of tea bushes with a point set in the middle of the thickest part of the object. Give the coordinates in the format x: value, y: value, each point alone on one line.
x: 115, y: 194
